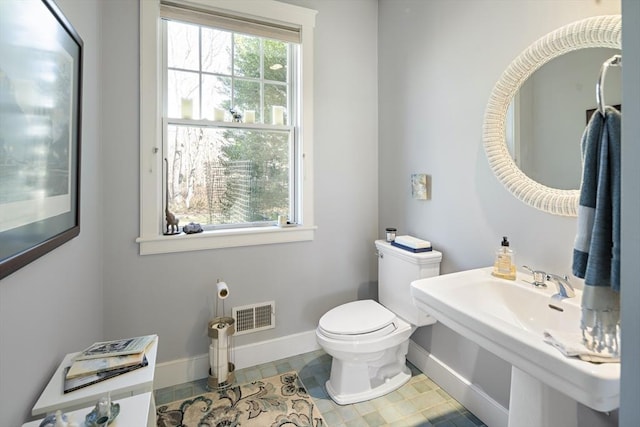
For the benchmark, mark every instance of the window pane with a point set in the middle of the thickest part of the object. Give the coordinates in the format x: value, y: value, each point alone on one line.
x: 246, y: 56
x: 183, y: 86
x: 216, y: 93
x: 216, y: 51
x: 227, y: 176
x: 275, y: 60
x: 275, y: 95
x: 246, y: 96
x: 183, y: 46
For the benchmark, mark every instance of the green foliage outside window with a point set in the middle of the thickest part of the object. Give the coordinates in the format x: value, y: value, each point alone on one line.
x: 225, y: 175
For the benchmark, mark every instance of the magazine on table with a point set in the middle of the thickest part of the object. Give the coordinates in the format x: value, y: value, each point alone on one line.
x: 72, y: 384
x: 83, y: 367
x: 116, y: 347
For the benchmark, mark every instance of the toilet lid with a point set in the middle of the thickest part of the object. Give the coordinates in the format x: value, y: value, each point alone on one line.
x: 358, y: 317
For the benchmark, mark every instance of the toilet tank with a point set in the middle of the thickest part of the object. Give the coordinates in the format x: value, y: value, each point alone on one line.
x: 397, y: 268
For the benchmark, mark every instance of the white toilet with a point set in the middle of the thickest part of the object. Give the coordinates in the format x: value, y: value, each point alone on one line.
x: 368, y: 340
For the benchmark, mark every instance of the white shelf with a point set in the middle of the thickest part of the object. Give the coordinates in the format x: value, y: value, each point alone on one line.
x: 134, y: 411
x: 139, y: 381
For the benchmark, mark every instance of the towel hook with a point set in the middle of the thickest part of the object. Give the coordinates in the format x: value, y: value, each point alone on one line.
x: 615, y: 60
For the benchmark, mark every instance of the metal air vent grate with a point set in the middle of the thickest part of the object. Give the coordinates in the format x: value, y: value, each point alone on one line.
x: 254, y: 317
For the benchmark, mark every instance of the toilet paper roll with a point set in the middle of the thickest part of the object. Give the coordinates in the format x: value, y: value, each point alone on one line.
x: 223, y: 290
x: 218, y: 357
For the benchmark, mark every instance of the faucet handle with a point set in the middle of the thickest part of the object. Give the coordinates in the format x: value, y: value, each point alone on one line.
x: 539, y: 277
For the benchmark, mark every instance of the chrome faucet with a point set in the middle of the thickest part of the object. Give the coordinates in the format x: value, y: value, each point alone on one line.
x: 565, y: 289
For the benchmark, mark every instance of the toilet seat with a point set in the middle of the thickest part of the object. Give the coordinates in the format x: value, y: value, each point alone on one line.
x: 358, y: 320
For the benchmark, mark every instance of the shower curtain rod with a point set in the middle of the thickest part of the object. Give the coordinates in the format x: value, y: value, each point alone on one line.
x: 615, y: 60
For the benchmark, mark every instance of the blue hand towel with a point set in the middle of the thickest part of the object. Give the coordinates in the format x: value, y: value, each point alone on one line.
x: 596, y: 253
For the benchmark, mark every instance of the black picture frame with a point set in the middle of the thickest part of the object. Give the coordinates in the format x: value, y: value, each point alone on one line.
x: 41, y: 58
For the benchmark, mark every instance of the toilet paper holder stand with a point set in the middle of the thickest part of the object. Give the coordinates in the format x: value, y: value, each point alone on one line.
x: 220, y: 331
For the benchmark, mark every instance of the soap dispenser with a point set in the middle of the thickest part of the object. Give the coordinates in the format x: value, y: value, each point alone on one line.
x: 505, y: 266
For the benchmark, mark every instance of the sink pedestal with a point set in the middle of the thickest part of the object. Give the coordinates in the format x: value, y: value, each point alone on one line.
x: 534, y: 404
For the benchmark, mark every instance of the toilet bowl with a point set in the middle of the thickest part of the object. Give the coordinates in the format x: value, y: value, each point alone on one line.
x: 369, y: 357
x: 369, y: 340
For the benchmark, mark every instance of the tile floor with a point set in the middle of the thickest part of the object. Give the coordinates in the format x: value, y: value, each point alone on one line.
x: 420, y: 402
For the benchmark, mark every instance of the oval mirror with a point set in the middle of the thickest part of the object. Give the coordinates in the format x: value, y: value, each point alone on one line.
x: 548, y: 115
x: 596, y: 32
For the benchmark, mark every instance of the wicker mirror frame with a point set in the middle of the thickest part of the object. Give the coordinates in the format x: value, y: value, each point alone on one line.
x: 598, y: 31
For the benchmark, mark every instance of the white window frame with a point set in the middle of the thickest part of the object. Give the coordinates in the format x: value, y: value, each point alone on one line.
x: 151, y: 239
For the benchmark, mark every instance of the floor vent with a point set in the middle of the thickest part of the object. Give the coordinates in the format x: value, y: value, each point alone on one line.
x: 254, y: 317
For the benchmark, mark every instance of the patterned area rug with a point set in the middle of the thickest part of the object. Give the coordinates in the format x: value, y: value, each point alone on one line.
x: 279, y: 401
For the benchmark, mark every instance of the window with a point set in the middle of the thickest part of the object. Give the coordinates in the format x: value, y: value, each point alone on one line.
x: 228, y: 142
x: 226, y: 123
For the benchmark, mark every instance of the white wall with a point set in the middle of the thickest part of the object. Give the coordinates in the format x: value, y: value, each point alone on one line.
x: 54, y: 305
x: 438, y: 62
x: 171, y: 294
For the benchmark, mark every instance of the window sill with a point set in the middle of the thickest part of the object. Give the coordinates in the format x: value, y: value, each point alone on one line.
x: 218, y: 239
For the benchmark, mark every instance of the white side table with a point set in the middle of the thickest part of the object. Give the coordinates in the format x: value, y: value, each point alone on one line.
x: 133, y: 412
x: 132, y: 383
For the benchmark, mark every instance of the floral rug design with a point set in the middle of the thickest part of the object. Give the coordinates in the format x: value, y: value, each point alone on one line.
x: 279, y: 401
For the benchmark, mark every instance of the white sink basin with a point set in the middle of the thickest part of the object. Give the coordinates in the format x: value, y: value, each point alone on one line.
x: 508, y: 319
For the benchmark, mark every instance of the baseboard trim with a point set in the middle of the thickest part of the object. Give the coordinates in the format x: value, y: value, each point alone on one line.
x: 468, y: 394
x: 189, y: 369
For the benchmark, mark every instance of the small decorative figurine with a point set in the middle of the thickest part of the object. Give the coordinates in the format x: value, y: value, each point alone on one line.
x: 170, y: 218
x: 55, y: 420
x: 103, y: 414
x: 192, y: 228
x: 58, y: 419
x: 237, y: 116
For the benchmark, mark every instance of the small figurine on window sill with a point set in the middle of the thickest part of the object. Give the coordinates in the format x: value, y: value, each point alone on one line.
x: 172, y: 223
x: 170, y: 218
x: 237, y: 116
x: 192, y: 228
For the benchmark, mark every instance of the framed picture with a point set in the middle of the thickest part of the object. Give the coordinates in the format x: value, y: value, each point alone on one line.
x: 40, y: 128
x: 420, y: 186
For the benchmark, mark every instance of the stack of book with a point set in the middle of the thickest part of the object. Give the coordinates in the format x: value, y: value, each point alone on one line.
x: 412, y: 244
x: 104, y: 360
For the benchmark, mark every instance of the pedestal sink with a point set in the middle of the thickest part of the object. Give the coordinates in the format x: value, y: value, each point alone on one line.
x: 508, y: 318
